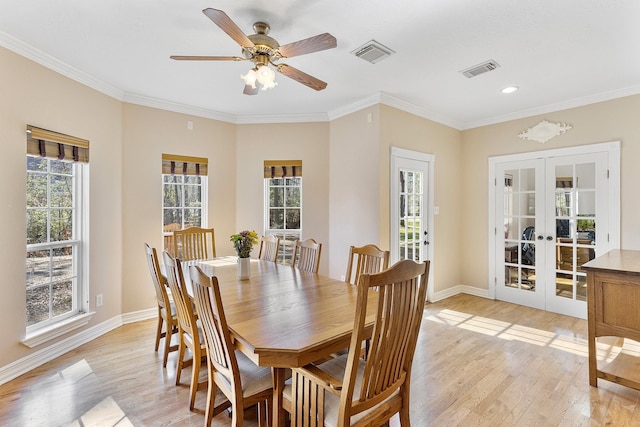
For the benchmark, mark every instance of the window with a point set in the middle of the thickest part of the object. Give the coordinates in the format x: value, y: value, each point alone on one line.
x: 283, y: 204
x: 184, y: 203
x: 55, y: 289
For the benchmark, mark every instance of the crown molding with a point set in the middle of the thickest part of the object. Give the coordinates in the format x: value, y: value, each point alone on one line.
x: 9, y: 42
x: 394, y: 102
x: 356, y: 106
x: 176, y: 107
x: 550, y: 108
x: 391, y: 101
x: 292, y: 118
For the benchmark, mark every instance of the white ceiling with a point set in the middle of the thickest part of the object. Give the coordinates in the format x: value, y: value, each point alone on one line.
x: 561, y: 53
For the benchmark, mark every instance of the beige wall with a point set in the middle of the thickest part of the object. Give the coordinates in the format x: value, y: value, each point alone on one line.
x: 147, y: 133
x: 35, y: 95
x: 354, y: 200
x: 308, y: 142
x: 615, y: 120
x: 404, y: 130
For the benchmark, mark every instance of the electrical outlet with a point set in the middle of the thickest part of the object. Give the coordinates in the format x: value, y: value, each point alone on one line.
x: 98, y: 300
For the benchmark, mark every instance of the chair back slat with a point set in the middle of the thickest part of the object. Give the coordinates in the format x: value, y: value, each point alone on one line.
x: 306, y: 255
x: 181, y: 299
x: 156, y: 277
x: 366, y: 259
x: 194, y: 243
x: 269, y: 246
x: 217, y: 338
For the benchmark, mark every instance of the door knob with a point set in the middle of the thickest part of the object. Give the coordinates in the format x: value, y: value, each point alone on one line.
x: 540, y: 237
x: 549, y: 238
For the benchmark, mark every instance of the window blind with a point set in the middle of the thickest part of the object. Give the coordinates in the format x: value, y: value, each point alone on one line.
x: 54, y: 145
x: 282, y: 168
x: 173, y: 164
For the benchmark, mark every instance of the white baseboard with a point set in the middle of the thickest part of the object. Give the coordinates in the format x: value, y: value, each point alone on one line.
x: 460, y: 289
x: 137, y: 316
x: 50, y: 352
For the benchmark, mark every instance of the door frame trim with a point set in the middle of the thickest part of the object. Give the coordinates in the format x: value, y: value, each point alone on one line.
x: 430, y: 159
x: 612, y: 148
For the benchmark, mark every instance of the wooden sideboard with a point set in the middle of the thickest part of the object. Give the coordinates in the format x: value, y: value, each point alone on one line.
x: 613, y: 307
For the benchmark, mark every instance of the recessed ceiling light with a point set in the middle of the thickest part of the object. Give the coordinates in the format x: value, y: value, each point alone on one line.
x: 510, y: 89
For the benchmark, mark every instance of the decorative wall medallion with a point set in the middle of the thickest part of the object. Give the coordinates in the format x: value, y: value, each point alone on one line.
x: 544, y: 131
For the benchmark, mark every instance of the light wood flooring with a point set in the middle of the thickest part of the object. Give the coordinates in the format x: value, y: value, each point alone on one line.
x: 478, y: 362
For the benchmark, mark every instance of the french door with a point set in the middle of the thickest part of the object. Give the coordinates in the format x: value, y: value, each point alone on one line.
x: 411, y: 206
x: 552, y: 214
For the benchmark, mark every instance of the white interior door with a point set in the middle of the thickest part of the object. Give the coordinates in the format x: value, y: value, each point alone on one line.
x: 576, y: 227
x: 521, y: 212
x: 552, y: 214
x: 411, y: 185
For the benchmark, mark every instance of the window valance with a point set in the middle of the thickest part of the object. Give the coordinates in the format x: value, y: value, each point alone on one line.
x: 54, y: 145
x: 184, y: 165
x: 282, y: 168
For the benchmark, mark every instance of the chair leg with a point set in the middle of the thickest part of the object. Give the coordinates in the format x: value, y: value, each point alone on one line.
x: 167, y: 344
x: 159, y: 329
x: 195, y: 373
x: 237, y: 416
x: 265, y: 413
x: 180, y: 358
x: 211, y: 396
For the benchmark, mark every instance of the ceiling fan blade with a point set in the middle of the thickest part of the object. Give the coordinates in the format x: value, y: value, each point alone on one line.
x: 223, y: 21
x: 301, y: 77
x: 249, y: 90
x: 312, y: 44
x: 206, y: 58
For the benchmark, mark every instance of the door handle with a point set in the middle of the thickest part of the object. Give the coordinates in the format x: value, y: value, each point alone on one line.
x: 549, y: 238
x: 540, y: 237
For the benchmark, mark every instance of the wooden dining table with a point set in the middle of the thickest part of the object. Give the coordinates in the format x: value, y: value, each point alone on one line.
x: 283, y: 317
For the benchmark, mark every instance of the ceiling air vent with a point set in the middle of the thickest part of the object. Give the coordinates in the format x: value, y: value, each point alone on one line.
x: 372, y: 51
x: 486, y: 66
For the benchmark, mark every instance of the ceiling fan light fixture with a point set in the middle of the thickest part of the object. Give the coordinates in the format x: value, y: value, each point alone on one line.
x: 250, y: 78
x: 266, y: 77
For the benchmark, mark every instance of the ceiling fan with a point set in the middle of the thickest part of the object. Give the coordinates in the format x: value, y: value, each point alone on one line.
x: 265, y: 52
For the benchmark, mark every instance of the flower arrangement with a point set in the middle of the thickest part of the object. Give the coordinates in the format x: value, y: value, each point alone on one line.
x: 243, y: 242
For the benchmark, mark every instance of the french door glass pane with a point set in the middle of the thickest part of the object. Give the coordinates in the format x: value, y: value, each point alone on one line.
x: 575, y: 227
x: 410, y: 227
x: 519, y: 232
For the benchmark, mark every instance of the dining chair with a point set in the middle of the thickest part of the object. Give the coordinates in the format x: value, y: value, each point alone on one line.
x: 269, y: 246
x: 194, y: 243
x: 306, y: 255
x: 242, y: 382
x: 188, y: 326
x: 365, y: 259
x: 352, y: 391
x: 166, y: 308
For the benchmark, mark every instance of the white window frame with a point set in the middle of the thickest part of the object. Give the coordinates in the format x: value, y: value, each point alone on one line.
x: 50, y: 328
x: 287, y: 237
x: 203, y: 199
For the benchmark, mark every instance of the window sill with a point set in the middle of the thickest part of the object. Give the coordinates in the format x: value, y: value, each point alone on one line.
x: 50, y: 332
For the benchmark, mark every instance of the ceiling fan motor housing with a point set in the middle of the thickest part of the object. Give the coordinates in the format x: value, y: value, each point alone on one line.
x: 264, y: 45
